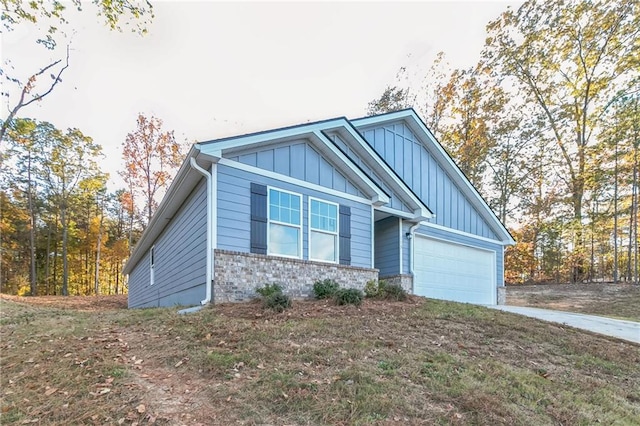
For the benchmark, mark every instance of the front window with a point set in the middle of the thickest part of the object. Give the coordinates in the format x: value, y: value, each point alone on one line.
x: 285, y: 223
x: 323, y: 231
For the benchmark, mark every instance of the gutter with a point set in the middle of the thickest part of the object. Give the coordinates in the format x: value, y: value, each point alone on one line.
x: 210, y: 237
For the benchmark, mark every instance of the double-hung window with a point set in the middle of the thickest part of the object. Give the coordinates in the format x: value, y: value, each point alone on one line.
x: 323, y: 231
x: 285, y: 223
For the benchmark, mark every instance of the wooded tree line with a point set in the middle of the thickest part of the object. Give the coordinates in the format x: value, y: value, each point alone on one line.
x: 61, y: 230
x: 547, y: 128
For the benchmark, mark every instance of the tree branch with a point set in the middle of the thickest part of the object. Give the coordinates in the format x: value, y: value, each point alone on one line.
x: 27, y: 89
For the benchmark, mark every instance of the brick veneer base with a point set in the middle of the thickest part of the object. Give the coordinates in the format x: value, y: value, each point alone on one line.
x: 238, y: 274
x: 405, y: 281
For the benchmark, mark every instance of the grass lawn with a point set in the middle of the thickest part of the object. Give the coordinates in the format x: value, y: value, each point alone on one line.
x: 414, y: 362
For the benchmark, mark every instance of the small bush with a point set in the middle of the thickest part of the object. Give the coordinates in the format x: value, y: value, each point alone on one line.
x: 382, y: 290
x: 375, y: 288
x: 349, y: 296
x: 371, y: 288
x: 324, y: 289
x: 394, y: 292
x: 277, y: 301
x: 269, y: 289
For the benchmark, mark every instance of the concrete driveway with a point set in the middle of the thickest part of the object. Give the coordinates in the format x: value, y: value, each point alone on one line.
x: 627, y: 330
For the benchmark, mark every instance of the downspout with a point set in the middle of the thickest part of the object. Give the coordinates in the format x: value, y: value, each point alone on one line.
x: 410, y: 237
x: 209, y: 272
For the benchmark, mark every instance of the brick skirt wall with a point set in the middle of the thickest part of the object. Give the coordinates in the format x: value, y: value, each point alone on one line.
x: 404, y: 280
x: 238, y: 274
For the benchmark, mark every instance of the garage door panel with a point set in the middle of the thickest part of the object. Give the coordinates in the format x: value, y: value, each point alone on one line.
x: 445, y: 270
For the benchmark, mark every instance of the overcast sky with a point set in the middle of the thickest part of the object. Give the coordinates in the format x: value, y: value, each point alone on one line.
x: 212, y: 69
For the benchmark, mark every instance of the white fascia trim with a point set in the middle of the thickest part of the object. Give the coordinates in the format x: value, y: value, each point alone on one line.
x: 463, y: 233
x: 293, y: 181
x: 380, y: 196
x: 475, y: 197
x: 268, y: 136
x: 399, y: 213
x: 421, y: 212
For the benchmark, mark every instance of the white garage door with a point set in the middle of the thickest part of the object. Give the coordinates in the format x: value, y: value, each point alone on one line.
x: 449, y: 271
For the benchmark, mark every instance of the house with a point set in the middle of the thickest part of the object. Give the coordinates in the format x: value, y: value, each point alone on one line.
x: 353, y: 200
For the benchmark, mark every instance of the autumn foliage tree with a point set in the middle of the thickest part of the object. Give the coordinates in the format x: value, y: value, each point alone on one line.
x: 545, y: 126
x: 151, y: 156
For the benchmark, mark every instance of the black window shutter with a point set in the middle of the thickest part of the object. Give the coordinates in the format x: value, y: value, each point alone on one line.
x: 345, y: 235
x: 258, y: 219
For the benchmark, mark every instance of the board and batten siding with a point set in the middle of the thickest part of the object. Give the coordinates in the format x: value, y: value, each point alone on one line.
x: 403, y: 151
x: 395, y: 202
x: 180, y: 259
x: 386, y: 253
x: 471, y: 242
x: 298, y: 159
x: 234, y: 213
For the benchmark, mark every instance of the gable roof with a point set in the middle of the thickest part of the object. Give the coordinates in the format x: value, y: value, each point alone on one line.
x: 415, y: 123
x: 317, y: 133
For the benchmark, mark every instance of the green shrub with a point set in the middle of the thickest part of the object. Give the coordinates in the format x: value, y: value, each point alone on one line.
x: 382, y: 290
x: 269, y: 289
x: 375, y: 288
x: 277, y: 301
x: 371, y: 288
x: 394, y: 292
x: 324, y: 289
x: 349, y: 296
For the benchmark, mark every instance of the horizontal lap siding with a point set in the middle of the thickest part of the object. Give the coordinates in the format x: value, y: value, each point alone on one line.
x: 234, y: 214
x: 180, y: 259
x: 386, y: 253
x: 140, y: 295
x: 469, y: 241
x: 400, y: 148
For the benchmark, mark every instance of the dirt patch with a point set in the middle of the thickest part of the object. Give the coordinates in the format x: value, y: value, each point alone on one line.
x: 607, y: 299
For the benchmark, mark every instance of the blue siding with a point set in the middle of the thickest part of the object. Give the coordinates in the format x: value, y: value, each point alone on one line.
x: 180, y: 259
x: 470, y: 241
x: 300, y: 160
x: 396, y: 143
x: 395, y: 202
x: 234, y: 214
x: 387, y: 253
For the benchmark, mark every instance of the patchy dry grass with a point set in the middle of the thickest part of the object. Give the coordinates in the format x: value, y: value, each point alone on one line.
x: 413, y: 362
x: 620, y: 301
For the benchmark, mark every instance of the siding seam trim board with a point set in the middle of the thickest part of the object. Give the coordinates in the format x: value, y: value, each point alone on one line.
x: 294, y: 181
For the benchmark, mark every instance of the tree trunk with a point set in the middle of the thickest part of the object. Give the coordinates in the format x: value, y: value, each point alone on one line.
x: 55, y: 258
x: 47, y: 261
x: 65, y: 261
x: 32, y: 231
x: 615, y: 216
x: 98, y: 249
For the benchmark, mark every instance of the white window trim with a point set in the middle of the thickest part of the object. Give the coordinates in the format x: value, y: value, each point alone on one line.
x: 152, y: 265
x: 322, y: 231
x: 277, y: 222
